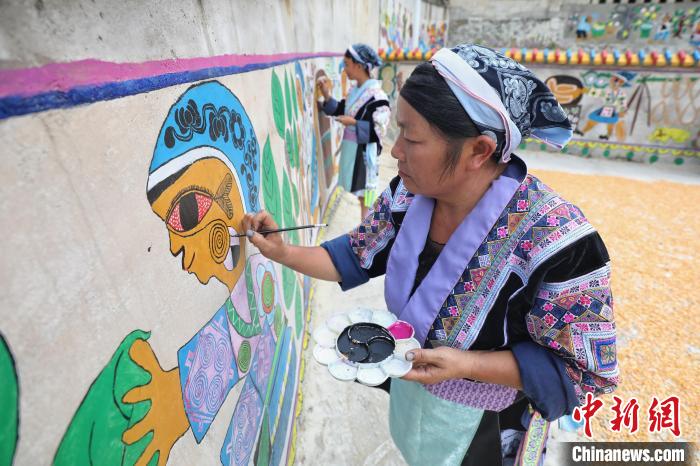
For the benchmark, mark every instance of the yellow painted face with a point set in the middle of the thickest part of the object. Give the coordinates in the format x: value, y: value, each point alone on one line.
x: 202, y: 210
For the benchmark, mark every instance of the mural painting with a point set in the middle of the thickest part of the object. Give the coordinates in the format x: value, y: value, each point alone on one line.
x: 433, y: 26
x: 648, y: 113
x: 207, y: 171
x: 396, y: 24
x: 641, y: 24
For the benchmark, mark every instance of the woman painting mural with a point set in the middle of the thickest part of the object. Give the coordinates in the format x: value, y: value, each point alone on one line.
x: 365, y: 114
x: 506, y: 283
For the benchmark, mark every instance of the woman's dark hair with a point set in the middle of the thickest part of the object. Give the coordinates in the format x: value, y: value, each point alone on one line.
x: 428, y: 93
x: 349, y: 55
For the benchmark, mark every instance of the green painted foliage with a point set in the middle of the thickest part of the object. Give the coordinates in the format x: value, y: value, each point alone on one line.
x: 271, y: 186
x: 9, y: 397
x: 289, y: 284
x: 287, y: 209
x: 278, y: 104
x: 289, y: 147
x: 288, y: 97
x: 295, y: 147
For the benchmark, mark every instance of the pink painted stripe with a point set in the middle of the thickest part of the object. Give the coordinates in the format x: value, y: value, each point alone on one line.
x: 65, y: 76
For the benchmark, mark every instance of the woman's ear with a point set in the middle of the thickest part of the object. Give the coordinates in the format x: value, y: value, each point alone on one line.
x: 479, y: 151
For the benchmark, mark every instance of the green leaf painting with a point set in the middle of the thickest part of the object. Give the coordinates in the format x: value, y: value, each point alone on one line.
x: 271, y: 186
x: 289, y: 282
x: 278, y: 104
x: 287, y: 208
x: 289, y: 147
x: 295, y: 147
x: 295, y: 196
x: 288, y: 97
x: 9, y: 397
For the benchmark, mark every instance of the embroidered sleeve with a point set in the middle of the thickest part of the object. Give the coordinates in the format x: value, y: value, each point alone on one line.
x: 574, y: 318
x: 363, y: 253
x: 375, y: 231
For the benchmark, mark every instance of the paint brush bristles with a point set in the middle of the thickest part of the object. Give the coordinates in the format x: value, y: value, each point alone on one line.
x: 302, y: 227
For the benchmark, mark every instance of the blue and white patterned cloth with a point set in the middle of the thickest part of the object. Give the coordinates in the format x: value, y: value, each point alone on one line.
x: 506, y: 101
x: 366, y: 55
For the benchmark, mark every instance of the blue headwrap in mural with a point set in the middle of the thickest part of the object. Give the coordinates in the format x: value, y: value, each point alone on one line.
x: 208, y: 121
x: 366, y: 55
x: 506, y: 101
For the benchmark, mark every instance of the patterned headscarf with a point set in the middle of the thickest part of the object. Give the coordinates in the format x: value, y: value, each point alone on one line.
x: 366, y: 55
x: 506, y: 101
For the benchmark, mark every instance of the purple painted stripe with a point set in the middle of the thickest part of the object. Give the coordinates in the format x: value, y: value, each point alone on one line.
x: 27, y: 82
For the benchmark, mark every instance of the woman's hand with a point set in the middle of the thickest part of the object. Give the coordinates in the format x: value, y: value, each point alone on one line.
x: 346, y: 120
x: 271, y: 245
x: 324, y: 85
x: 432, y: 366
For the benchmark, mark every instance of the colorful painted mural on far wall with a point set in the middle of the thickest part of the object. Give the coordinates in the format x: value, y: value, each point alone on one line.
x: 672, y: 24
x: 638, y: 115
x: 209, y: 167
x: 433, y: 26
x: 396, y: 24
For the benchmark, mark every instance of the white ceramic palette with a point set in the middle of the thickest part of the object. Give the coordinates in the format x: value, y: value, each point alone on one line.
x: 365, y: 345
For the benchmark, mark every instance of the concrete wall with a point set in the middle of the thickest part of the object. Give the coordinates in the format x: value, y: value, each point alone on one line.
x: 118, y: 178
x: 38, y: 32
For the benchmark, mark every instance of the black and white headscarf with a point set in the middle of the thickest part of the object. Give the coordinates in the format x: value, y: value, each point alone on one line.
x: 506, y: 101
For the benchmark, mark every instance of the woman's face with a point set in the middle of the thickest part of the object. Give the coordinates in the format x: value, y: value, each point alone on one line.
x: 202, y: 211
x: 421, y: 152
x: 352, y: 69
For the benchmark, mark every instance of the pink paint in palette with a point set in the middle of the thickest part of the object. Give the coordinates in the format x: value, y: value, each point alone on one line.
x: 401, y: 330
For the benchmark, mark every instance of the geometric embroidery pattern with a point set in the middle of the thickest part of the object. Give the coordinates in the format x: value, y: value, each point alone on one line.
x: 573, y: 319
x: 533, y: 226
x: 375, y: 231
x: 581, y: 330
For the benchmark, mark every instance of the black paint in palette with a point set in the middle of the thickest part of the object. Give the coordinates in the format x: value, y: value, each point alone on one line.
x: 365, y: 342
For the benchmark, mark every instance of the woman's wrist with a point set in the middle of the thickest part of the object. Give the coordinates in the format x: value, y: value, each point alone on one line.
x: 469, y: 361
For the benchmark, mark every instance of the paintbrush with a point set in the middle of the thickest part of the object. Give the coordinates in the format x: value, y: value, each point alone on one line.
x: 302, y: 227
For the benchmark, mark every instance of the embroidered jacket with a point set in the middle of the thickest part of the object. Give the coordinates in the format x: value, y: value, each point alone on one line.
x: 538, y: 284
